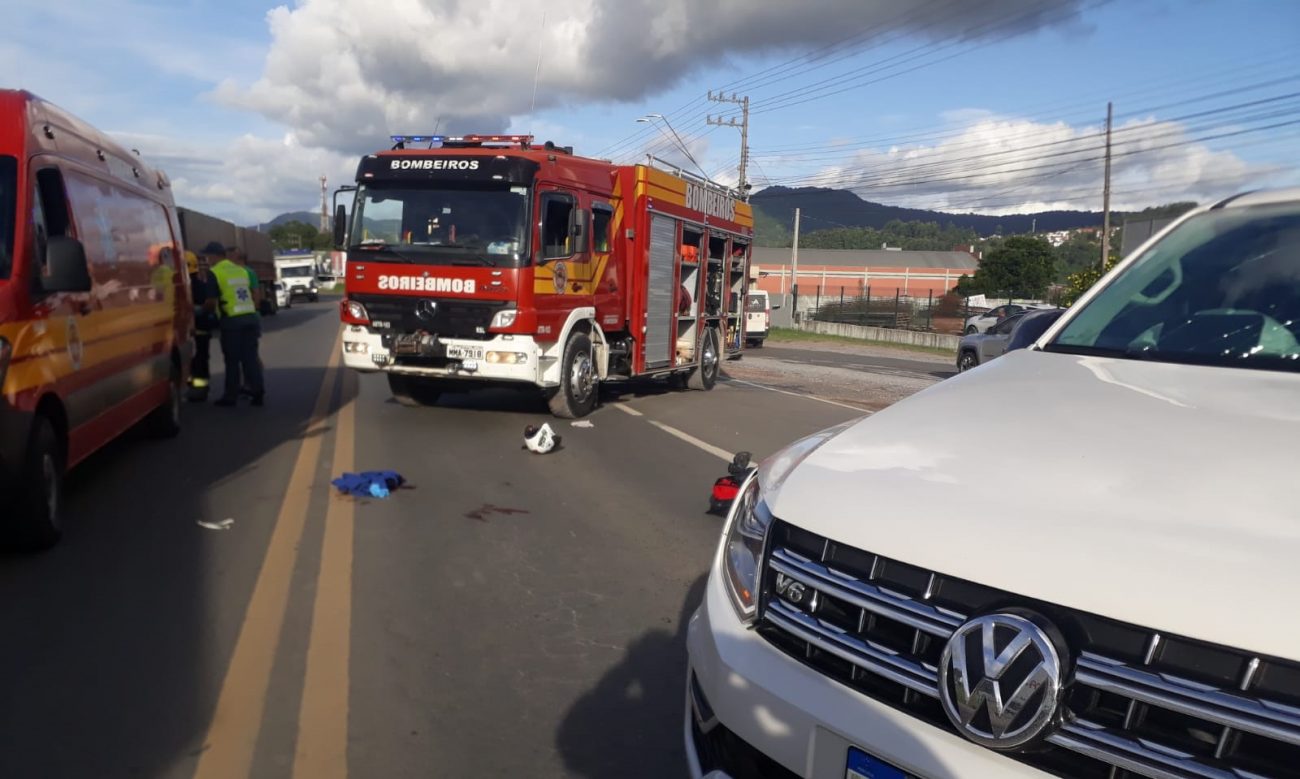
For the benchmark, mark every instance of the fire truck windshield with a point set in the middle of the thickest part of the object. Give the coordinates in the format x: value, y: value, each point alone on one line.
x: 471, y: 223
x: 8, y: 203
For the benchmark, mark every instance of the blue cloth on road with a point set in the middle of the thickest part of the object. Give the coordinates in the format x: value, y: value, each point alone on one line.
x: 369, y: 484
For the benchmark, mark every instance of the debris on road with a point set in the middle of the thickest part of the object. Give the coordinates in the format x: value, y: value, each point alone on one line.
x: 224, y: 524
x: 726, y: 488
x: 540, y: 440
x: 583, y: 423
x: 481, y: 513
x: 369, y: 484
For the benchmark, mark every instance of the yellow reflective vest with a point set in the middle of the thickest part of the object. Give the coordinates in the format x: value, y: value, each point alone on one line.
x: 235, y: 288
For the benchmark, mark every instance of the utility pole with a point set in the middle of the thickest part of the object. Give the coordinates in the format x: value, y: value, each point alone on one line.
x: 324, y: 212
x: 743, y: 124
x: 794, y: 275
x: 1105, y: 197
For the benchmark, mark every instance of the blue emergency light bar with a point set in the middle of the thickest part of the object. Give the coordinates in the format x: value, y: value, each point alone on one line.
x: 418, y: 138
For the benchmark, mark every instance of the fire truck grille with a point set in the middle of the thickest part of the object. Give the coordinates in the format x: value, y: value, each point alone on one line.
x: 450, y: 318
x: 1140, y: 702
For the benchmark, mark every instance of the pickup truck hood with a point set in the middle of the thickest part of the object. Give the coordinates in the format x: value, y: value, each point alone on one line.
x: 1162, y: 495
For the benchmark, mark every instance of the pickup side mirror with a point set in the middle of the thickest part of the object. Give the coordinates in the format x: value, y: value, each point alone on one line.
x: 340, y: 225
x: 776, y: 307
x: 66, y: 269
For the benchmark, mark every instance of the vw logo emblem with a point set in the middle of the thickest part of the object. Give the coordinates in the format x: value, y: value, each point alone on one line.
x: 1000, y: 680
x: 426, y: 309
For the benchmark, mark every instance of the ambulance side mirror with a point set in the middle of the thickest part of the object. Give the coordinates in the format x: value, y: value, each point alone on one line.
x: 340, y: 225
x: 66, y: 269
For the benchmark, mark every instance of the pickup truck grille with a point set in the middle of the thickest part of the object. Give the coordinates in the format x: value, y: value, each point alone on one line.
x: 1138, y: 703
x: 452, y: 317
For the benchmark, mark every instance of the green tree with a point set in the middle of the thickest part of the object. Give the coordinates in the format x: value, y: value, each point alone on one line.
x: 1021, y: 267
x: 294, y: 235
x: 1081, y: 251
x: 1080, y: 282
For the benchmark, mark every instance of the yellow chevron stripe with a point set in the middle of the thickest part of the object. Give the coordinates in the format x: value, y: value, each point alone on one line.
x: 41, y: 345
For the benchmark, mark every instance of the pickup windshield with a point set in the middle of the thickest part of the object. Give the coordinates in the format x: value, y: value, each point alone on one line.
x: 297, y: 271
x: 470, y: 224
x: 8, y: 204
x: 1223, y: 288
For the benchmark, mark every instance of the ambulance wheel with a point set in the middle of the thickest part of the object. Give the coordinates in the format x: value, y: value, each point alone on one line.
x: 165, y: 421
x: 39, y: 523
x: 706, y: 375
x: 579, y: 385
x: 413, y: 390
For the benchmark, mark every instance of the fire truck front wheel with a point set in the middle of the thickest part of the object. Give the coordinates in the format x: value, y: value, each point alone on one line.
x: 414, y: 390
x: 579, y: 384
x: 706, y: 375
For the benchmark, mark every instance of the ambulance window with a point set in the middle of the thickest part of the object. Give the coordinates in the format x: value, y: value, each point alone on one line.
x: 51, y: 208
x: 557, y: 221
x: 601, y: 217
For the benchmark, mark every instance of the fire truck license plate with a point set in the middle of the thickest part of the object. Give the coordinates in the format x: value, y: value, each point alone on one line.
x: 456, y: 352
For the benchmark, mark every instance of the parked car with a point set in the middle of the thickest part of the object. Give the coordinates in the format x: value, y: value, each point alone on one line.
x: 95, y: 314
x: 1032, y: 326
x: 978, y: 348
x: 980, y: 323
x: 884, y: 602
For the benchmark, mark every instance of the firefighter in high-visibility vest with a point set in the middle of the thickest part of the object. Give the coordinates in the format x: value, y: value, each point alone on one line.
x: 238, y: 298
x: 203, y: 289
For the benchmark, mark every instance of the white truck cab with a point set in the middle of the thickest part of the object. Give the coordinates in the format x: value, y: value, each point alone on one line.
x: 298, y: 274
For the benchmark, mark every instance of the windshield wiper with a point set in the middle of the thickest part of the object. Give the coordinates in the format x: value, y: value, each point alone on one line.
x: 381, y: 247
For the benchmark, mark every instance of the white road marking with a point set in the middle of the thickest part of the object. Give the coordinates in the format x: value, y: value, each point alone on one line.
x: 628, y: 410
x: 692, y: 440
x: 862, y: 411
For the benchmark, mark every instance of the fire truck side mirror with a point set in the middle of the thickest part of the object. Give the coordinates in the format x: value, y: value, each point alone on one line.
x: 340, y: 225
x: 578, y: 229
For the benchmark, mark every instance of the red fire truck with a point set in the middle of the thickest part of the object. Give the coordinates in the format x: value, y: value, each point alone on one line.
x: 487, y: 260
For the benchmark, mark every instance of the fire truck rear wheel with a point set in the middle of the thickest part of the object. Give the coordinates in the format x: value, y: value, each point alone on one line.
x: 414, y: 390
x: 579, y: 385
x: 39, y: 524
x: 706, y: 375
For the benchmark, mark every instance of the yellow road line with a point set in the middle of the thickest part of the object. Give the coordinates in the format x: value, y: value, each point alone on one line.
x: 232, y: 735
x: 322, y: 751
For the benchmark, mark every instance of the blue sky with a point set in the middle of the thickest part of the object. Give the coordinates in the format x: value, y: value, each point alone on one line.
x: 246, y: 105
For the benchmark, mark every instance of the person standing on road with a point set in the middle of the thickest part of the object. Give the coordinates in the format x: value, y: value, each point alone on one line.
x: 203, y: 289
x: 241, y: 327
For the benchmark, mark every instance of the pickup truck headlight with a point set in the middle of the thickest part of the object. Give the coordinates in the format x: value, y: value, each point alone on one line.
x: 741, y: 555
x: 742, y: 548
x: 504, y: 318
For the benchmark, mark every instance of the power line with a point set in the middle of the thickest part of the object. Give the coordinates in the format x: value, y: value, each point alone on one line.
x: 938, y: 172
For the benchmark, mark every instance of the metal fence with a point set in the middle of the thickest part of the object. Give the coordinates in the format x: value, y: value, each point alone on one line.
x: 897, y: 311
x: 933, y: 313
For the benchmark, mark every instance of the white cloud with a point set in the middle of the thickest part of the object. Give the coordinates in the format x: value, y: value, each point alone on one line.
x: 248, y: 180
x: 999, y: 164
x: 343, y: 73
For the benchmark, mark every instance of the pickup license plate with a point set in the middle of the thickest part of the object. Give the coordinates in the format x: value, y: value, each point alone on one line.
x: 864, y: 766
x: 457, y: 352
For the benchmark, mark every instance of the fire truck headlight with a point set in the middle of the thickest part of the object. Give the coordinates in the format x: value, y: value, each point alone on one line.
x: 355, y: 312
x: 507, y: 358
x: 504, y: 318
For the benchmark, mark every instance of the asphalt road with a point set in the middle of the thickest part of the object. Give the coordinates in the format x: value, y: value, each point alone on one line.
x: 889, y: 366
x: 506, y: 614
